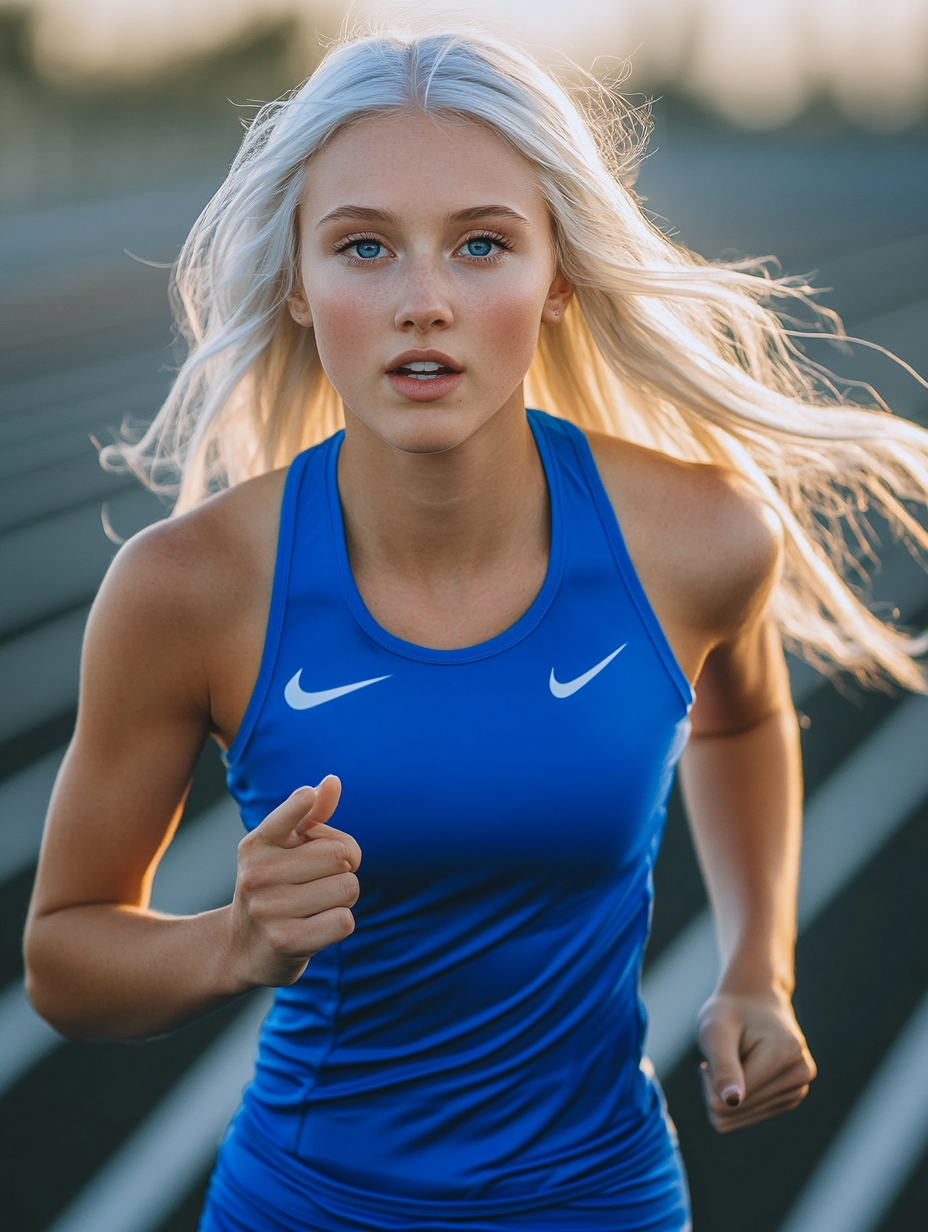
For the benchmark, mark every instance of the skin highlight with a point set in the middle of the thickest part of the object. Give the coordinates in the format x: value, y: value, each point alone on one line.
x: 448, y: 527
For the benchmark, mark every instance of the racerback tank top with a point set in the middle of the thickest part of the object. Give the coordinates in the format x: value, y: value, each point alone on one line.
x: 474, y: 1048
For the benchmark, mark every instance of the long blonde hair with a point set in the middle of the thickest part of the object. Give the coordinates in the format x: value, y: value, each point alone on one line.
x: 658, y: 346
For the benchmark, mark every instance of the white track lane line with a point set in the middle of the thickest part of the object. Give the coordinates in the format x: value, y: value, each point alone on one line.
x: 23, y: 804
x: 140, y: 1185
x: 25, y: 1038
x: 198, y: 870
x: 847, y: 820
x: 40, y: 669
x: 197, y: 873
x: 877, y: 1147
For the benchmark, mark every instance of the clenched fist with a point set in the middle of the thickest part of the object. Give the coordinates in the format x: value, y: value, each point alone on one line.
x: 295, y: 888
x: 757, y: 1061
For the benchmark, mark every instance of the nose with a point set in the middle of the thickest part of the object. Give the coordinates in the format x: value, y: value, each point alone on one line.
x: 424, y: 304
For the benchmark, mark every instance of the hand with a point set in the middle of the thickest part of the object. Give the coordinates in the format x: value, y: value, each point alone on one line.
x: 757, y: 1063
x: 294, y: 891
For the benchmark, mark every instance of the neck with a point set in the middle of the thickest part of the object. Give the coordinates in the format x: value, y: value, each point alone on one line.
x: 446, y: 548
x: 457, y: 509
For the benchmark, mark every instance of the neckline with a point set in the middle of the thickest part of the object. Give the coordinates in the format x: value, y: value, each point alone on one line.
x: 529, y: 619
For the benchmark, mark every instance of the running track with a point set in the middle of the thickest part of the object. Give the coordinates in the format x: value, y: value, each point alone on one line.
x: 118, y: 1138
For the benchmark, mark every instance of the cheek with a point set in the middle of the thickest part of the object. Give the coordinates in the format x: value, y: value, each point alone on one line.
x: 347, y: 325
x: 506, y: 324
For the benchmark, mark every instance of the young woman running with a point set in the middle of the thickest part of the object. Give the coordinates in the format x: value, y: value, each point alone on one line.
x: 489, y: 624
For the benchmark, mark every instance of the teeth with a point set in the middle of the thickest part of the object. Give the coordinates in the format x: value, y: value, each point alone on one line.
x: 423, y: 369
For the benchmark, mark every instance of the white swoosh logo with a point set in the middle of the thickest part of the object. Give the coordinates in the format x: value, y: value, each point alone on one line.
x: 299, y: 699
x: 565, y: 690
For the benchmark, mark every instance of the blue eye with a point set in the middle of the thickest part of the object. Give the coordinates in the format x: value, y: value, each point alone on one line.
x: 479, y: 247
x: 368, y: 249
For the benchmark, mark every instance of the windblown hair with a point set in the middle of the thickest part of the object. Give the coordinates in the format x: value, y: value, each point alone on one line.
x: 658, y: 346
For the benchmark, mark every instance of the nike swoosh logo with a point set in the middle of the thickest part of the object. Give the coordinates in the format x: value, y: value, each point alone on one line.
x: 299, y: 699
x: 565, y: 690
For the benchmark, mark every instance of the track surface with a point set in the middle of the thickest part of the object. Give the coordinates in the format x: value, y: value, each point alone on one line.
x: 118, y: 1138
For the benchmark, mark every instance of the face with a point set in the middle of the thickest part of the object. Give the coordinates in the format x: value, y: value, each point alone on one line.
x: 426, y: 271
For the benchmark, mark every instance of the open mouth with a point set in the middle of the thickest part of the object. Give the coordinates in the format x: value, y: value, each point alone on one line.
x: 423, y: 370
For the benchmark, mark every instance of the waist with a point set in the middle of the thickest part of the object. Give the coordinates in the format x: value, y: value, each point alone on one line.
x: 422, y: 1176
x: 559, y: 1107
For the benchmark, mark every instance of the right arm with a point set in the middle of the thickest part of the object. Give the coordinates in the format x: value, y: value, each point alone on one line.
x: 99, y: 962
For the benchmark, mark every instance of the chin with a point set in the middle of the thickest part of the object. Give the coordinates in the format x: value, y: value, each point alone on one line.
x: 421, y: 430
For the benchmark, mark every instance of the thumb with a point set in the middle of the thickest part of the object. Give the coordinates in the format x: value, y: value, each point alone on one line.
x: 327, y: 796
x: 302, y: 809
x: 722, y: 1070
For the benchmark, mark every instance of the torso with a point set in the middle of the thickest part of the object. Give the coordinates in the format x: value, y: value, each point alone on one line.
x: 476, y: 1042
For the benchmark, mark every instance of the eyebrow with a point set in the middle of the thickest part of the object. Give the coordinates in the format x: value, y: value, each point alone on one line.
x: 476, y: 212
x: 363, y: 213
x: 357, y: 213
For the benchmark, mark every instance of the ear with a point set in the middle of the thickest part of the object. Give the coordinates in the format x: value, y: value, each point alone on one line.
x: 559, y: 296
x: 299, y: 307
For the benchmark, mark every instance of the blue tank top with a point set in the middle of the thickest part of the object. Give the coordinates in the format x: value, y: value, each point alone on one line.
x: 474, y: 1048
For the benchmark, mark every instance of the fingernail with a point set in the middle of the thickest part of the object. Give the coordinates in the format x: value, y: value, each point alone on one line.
x: 731, y: 1096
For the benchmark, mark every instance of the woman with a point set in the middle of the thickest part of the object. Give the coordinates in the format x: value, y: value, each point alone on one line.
x: 439, y: 606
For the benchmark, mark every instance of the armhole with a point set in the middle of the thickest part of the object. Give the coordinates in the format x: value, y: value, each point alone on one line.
x: 636, y: 592
x: 275, y: 619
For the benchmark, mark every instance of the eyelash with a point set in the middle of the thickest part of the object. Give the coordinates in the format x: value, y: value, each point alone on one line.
x: 494, y: 237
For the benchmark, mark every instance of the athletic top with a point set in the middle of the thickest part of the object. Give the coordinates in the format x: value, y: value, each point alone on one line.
x: 475, y: 1046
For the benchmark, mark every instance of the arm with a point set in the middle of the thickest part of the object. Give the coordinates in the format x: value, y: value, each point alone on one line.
x: 707, y: 552
x: 742, y: 783
x: 99, y: 962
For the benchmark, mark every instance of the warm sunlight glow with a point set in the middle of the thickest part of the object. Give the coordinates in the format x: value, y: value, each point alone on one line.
x: 758, y: 62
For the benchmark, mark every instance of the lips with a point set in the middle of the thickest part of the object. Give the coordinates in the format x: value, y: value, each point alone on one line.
x: 424, y: 375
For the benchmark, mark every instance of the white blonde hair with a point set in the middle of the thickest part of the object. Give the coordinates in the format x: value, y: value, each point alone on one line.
x: 658, y: 346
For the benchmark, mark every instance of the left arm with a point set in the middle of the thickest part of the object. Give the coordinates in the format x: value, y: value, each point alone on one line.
x: 742, y: 783
x: 708, y: 553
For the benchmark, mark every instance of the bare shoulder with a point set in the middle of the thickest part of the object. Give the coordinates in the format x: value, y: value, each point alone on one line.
x: 203, y: 556
x: 706, y: 547
x: 189, y: 596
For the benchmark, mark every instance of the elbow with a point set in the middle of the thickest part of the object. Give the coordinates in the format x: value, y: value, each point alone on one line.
x: 47, y: 993
x: 45, y: 1005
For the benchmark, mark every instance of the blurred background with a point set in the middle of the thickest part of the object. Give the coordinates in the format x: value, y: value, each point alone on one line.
x: 780, y: 127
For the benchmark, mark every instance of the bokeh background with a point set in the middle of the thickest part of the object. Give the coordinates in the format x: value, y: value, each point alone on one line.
x: 780, y: 127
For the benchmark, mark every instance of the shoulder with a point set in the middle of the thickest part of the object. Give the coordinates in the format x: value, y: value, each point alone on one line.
x: 188, y: 554
x: 699, y: 535
x: 173, y: 584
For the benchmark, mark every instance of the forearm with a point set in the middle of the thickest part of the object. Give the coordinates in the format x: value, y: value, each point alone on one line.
x: 107, y: 971
x: 743, y: 793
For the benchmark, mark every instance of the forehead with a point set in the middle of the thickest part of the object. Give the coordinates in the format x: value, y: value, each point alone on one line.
x: 411, y: 163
